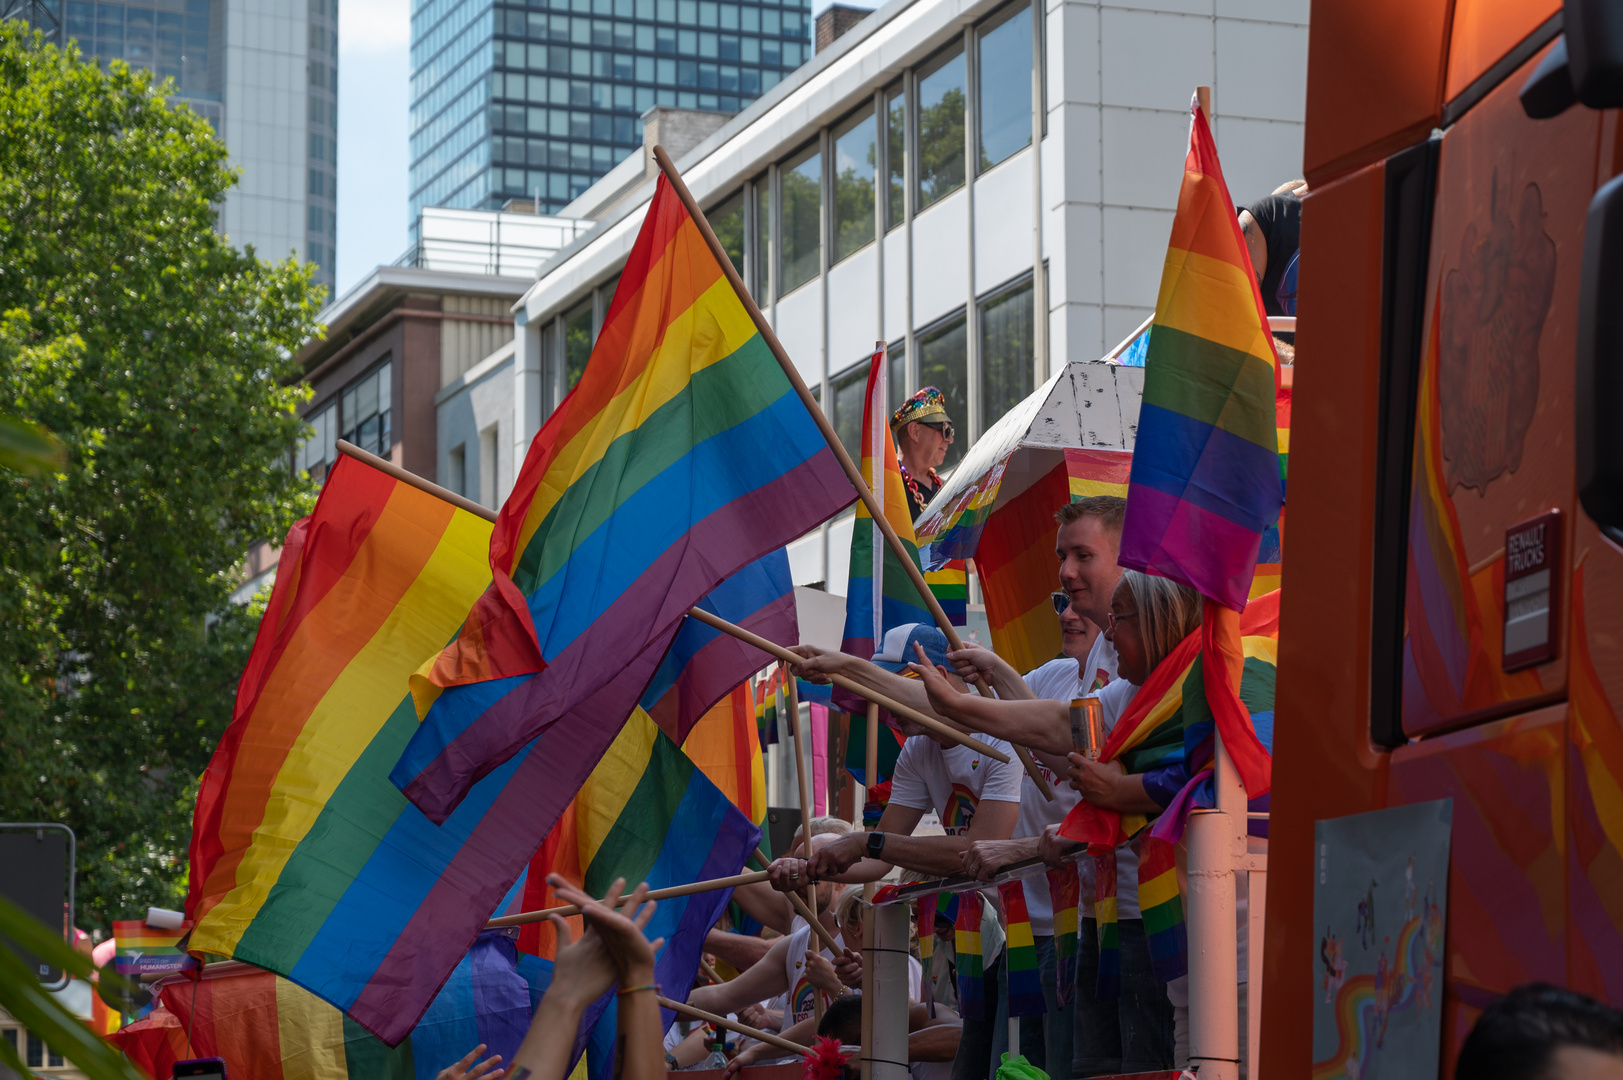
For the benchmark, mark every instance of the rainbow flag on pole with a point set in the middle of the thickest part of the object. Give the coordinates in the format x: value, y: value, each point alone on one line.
x: 723, y: 746
x: 966, y: 939
x: 1065, y: 892
x: 683, y: 454
x: 1205, y: 483
x: 879, y: 593
x: 146, y: 950
x: 647, y: 813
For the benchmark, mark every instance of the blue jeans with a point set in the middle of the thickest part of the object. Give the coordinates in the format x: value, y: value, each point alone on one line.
x: 1128, y: 1033
x: 1042, y: 1038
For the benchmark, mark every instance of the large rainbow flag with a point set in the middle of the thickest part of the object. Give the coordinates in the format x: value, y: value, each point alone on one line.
x: 683, y: 454
x: 305, y: 859
x: 723, y: 745
x: 647, y: 813
x: 267, y: 1028
x: 1205, y: 483
x: 879, y: 593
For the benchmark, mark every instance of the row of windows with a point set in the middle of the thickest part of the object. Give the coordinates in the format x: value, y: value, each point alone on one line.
x: 424, y: 76
x: 555, y: 154
x: 1005, y: 330
x: 472, y: 70
x: 866, y: 177
x: 173, y: 44
x: 538, y: 121
x: 427, y: 39
x: 321, y: 221
x: 323, y: 40
x: 704, y: 13
x: 323, y: 184
x: 33, y: 1051
x: 469, y: 104
x: 426, y: 15
x: 691, y: 74
x: 460, y: 142
x: 361, y: 415
x: 441, y: 187
x: 563, y: 30
x: 556, y: 188
x: 665, y: 40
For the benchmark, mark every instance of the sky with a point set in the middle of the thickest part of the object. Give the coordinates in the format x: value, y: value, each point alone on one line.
x: 374, y: 41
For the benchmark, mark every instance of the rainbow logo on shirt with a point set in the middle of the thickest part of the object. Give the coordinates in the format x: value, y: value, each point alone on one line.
x: 801, y: 1002
x: 960, y: 810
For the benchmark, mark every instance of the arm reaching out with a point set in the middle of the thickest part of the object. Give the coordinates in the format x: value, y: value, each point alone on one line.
x: 1041, y: 725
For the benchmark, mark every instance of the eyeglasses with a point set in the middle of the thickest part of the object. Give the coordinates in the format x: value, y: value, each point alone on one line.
x: 1061, y: 601
x: 945, y: 427
x: 1114, y: 618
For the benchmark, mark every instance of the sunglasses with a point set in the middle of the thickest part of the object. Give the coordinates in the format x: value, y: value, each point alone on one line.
x: 945, y: 427
x: 1061, y: 602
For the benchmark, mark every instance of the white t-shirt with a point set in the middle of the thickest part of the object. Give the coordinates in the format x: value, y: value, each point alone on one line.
x: 1057, y: 680
x: 952, y: 782
x: 1101, y: 663
x: 800, y: 1006
x: 1114, y: 699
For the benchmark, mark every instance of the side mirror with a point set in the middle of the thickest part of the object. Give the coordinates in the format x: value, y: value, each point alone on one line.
x: 1594, y: 40
x: 1598, y: 394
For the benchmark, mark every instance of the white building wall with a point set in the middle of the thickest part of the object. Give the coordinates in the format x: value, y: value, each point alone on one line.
x: 266, y: 121
x: 465, y: 411
x: 1119, y: 77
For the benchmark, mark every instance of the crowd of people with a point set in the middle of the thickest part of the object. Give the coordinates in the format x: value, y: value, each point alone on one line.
x: 1117, y: 627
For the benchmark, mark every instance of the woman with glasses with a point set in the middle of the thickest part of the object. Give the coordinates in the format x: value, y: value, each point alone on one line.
x: 923, y: 433
x: 1148, y: 617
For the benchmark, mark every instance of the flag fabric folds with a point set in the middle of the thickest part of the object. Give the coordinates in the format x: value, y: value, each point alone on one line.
x: 267, y: 1028
x: 1020, y: 954
x: 880, y: 594
x: 646, y: 813
x: 966, y: 940
x: 1065, y: 892
x: 1205, y: 481
x: 723, y: 746
x: 1015, y: 553
x: 683, y: 454
x: 703, y: 664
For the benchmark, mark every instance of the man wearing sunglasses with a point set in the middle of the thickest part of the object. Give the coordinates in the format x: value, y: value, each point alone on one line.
x: 923, y: 432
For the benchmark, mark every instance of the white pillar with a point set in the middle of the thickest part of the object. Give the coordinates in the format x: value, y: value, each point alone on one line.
x: 884, y: 952
x: 1216, y: 841
x: 526, y: 386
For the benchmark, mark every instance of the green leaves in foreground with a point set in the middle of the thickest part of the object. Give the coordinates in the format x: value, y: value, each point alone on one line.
x: 29, y: 448
x: 22, y: 996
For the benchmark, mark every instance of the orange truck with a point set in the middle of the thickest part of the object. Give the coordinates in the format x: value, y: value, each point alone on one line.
x: 1452, y: 618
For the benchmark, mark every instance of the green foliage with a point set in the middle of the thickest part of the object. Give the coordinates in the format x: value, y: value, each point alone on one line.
x: 941, y: 144
x: 22, y: 996
x: 161, y: 357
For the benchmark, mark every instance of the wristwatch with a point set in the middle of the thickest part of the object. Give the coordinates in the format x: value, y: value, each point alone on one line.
x: 876, y: 844
x: 670, y: 1060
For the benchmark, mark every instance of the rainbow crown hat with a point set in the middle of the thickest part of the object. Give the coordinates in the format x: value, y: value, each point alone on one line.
x: 925, y: 405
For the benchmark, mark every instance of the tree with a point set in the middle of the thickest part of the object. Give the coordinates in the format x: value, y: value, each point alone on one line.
x: 160, y: 356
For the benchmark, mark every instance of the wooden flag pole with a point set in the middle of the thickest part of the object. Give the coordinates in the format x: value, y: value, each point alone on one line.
x: 851, y: 471
x: 710, y: 973
x: 524, y: 918
x: 778, y: 651
x: 872, y: 732
x: 732, y: 1025
x: 804, y: 912
x: 804, y: 780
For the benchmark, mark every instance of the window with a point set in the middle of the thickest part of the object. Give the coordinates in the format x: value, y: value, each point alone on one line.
x: 727, y: 221
x: 487, y: 465
x: 1005, y: 88
x: 366, y: 411
x: 896, y: 155
x: 856, y: 152
x: 941, y: 128
x: 318, y: 453
x: 577, y: 342
x: 849, y: 392
x: 761, y: 286
x: 1006, y: 351
x: 944, y: 364
x: 896, y: 374
x: 456, y: 469
x: 801, y: 182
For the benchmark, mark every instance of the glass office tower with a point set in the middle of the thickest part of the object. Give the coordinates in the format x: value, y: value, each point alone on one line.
x: 539, y: 100
x: 264, y: 73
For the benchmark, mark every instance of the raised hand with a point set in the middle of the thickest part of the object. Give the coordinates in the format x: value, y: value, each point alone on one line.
x: 467, y: 1070
x: 848, y: 967
x: 943, y: 695
x: 617, y: 924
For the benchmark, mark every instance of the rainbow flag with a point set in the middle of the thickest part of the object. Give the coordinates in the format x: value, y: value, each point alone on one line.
x: 1271, y: 553
x: 146, y: 950
x: 1108, y: 983
x: 879, y: 593
x: 1065, y: 891
x: 724, y: 748
x: 1015, y: 553
x: 926, y: 930
x: 1205, y: 478
x: 703, y: 664
x: 1020, y: 954
x: 767, y: 694
x: 683, y: 454
x: 267, y: 1028
x: 966, y: 940
x: 646, y: 813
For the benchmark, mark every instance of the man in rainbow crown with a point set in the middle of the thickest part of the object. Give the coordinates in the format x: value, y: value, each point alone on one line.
x: 976, y: 798
x: 923, y: 432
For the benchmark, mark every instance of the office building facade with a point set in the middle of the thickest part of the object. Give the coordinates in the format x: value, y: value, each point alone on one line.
x: 538, y: 101
x: 265, y: 75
